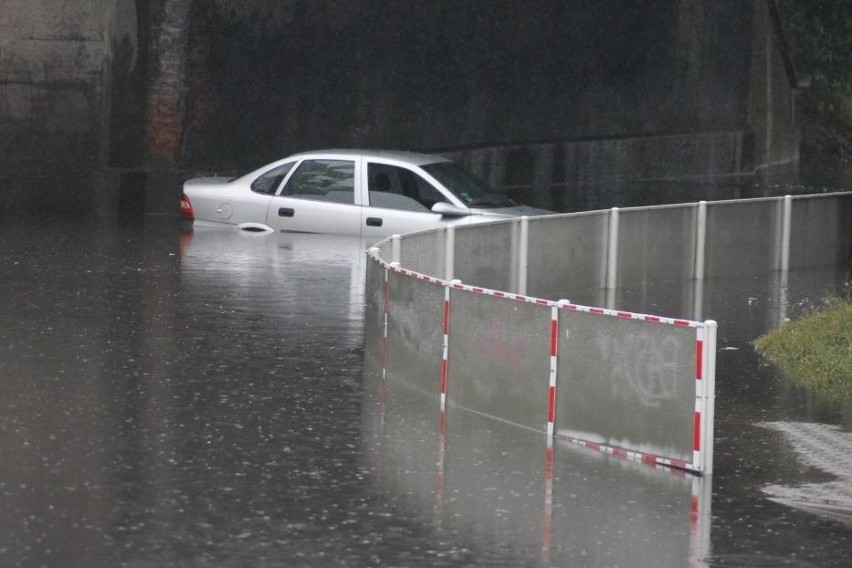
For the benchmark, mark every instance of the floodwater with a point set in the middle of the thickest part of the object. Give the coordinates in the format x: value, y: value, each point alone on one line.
x: 199, y: 398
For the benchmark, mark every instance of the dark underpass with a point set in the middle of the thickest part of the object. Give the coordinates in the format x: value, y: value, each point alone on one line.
x: 191, y: 398
x: 568, y: 106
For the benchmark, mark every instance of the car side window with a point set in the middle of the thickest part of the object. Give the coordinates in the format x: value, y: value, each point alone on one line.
x: 393, y: 187
x: 268, y: 183
x: 323, y: 180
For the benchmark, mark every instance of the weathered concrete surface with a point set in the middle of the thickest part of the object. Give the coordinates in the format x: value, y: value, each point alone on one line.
x: 569, y: 104
x: 55, y: 68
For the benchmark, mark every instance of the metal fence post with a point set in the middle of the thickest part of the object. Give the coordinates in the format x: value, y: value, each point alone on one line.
x: 554, y: 361
x: 612, y: 251
x: 700, y: 240
x: 709, y: 362
x: 523, y: 255
x: 786, y: 222
x: 699, y: 259
x: 705, y: 397
x: 450, y: 253
x: 513, y: 254
x: 396, y: 248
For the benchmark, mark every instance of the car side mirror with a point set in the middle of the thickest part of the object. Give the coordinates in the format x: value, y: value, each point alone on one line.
x: 449, y: 210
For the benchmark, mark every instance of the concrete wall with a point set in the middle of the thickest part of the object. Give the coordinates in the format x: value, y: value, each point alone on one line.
x: 569, y: 104
x: 731, y: 125
x: 620, y: 172
x: 427, y: 75
x: 772, y: 98
x: 54, y: 69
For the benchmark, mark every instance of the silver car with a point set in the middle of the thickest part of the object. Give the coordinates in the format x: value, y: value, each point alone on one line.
x: 351, y: 192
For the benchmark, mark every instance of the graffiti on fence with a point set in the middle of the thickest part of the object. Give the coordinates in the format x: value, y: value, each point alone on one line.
x: 638, y: 369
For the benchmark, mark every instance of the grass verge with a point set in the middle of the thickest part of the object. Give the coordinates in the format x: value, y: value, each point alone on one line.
x: 816, y: 350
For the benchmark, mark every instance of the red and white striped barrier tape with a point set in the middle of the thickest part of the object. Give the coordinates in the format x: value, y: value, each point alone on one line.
x: 700, y: 394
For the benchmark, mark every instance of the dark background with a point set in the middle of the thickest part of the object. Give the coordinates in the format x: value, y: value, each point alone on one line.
x: 568, y: 105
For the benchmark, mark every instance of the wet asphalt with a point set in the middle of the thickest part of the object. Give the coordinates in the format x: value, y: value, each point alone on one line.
x: 172, y: 397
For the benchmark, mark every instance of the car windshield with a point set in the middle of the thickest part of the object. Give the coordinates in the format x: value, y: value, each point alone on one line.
x: 470, y: 189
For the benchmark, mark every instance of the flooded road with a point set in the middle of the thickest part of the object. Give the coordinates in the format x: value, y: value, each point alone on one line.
x: 174, y: 398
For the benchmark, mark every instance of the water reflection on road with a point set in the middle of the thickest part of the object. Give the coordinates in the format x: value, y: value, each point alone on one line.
x: 195, y: 399
x: 499, y: 496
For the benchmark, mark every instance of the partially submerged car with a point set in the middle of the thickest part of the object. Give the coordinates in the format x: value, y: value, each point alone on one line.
x: 369, y: 193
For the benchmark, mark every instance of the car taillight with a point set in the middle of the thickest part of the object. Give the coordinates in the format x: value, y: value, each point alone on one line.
x: 186, y: 208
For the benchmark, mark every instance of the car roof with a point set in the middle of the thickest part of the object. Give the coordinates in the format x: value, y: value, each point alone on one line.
x: 413, y: 158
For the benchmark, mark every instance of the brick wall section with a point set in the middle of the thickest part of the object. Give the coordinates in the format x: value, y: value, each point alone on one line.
x: 199, y: 100
x: 166, y: 102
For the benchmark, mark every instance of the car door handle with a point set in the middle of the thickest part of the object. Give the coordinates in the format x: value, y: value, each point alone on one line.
x: 286, y: 212
x: 374, y: 221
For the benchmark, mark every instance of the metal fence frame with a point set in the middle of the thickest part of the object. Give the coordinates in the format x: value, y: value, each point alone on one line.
x: 405, y: 256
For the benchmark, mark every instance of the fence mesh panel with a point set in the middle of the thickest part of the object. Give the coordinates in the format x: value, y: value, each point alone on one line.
x: 567, y: 257
x: 742, y: 239
x: 626, y: 383
x: 820, y: 230
x: 656, y: 245
x: 500, y: 358
x: 484, y: 255
x: 415, y: 332
x: 424, y: 253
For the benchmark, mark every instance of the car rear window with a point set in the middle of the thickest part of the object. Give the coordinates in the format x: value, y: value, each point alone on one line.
x: 270, y: 181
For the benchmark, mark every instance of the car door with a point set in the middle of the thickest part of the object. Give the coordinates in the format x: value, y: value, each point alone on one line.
x: 399, y: 200
x: 318, y: 197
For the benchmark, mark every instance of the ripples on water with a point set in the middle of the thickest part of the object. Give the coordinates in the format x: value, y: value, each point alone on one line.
x: 193, y: 399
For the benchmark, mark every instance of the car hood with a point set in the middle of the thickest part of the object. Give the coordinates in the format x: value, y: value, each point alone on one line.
x: 514, y: 211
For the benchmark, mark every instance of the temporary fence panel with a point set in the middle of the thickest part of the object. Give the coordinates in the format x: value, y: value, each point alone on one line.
x: 384, y: 250
x: 499, y: 351
x: 414, y: 343
x: 567, y: 256
x: 630, y: 383
x: 820, y: 230
x: 424, y: 252
x: 627, y: 383
x: 743, y: 237
x: 484, y: 255
x: 656, y: 245
x: 677, y: 298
